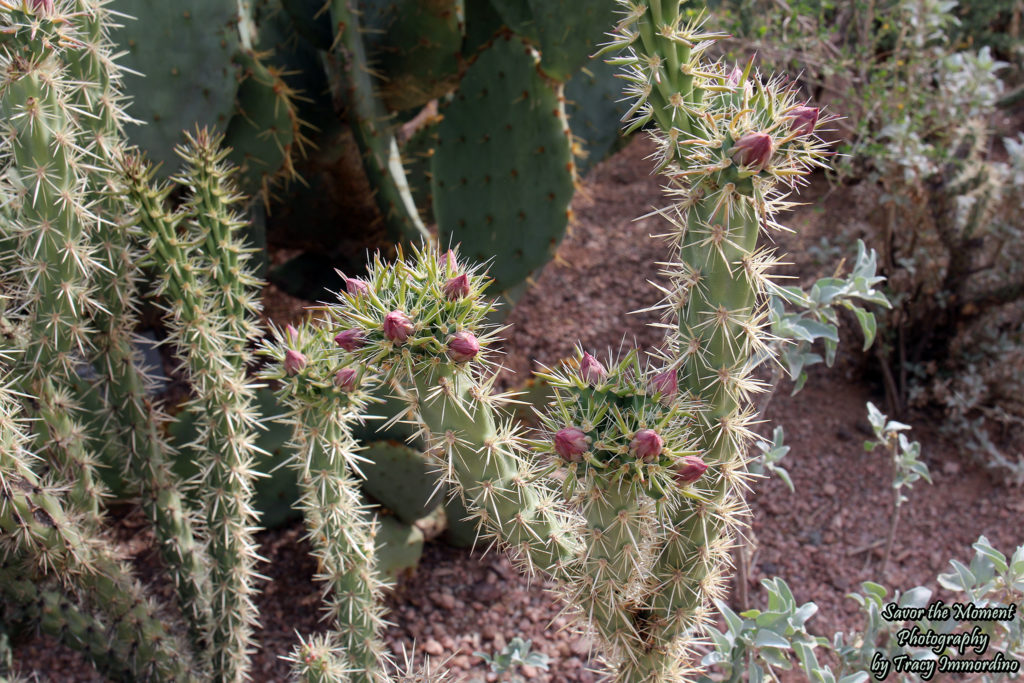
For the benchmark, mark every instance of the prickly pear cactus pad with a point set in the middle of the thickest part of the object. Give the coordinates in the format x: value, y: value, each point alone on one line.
x: 502, y: 169
x: 184, y: 50
x: 416, y: 46
x: 566, y: 32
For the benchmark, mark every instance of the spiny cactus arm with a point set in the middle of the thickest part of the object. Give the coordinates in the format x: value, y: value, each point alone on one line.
x: 35, y: 526
x: 726, y: 143
x: 206, y: 287
x: 46, y: 164
x: 325, y: 398
x: 419, y: 322
x: 132, y: 420
x: 352, y: 83
x: 625, y: 446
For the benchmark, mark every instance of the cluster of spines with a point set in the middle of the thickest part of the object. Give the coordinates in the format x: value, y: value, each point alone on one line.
x: 208, y: 290
x: 325, y: 397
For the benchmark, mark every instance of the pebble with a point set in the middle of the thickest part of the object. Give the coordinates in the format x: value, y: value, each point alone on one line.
x: 432, y: 647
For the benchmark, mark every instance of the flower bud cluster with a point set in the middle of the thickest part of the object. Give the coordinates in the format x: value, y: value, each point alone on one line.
x: 617, y: 423
x: 421, y: 311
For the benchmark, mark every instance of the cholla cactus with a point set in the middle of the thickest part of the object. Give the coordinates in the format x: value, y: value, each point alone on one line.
x: 726, y: 141
x: 325, y: 400
x: 210, y: 296
x: 46, y: 160
x: 420, y: 321
x: 114, y: 622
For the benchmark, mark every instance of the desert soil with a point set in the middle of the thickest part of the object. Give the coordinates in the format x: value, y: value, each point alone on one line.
x: 823, y: 540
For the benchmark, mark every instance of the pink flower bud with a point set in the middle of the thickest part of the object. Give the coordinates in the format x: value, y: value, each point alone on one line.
x: 350, y: 340
x: 753, y: 150
x: 665, y: 384
x: 463, y: 346
x: 591, y: 370
x: 291, y: 334
x: 457, y: 287
x: 43, y: 6
x: 646, y: 445
x: 345, y: 379
x: 397, y: 326
x: 293, y: 362
x: 690, y: 470
x: 571, y: 444
x: 447, y: 258
x: 804, y: 120
x: 735, y: 76
x: 355, y: 286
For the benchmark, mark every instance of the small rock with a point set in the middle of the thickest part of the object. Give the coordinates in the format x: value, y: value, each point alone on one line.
x: 528, y: 671
x: 582, y: 647
x: 830, y: 489
x: 951, y: 467
x: 432, y: 647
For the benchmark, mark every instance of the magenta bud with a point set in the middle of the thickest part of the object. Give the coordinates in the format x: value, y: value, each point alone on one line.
x: 457, y: 287
x: 753, y: 150
x: 447, y: 258
x: 292, y: 334
x: 397, y: 326
x: 44, y: 6
x: 690, y: 470
x: 571, y: 444
x: 345, y: 379
x: 646, y: 445
x: 735, y: 76
x: 356, y: 287
x: 591, y: 370
x: 350, y: 340
x: 463, y: 346
x: 804, y: 120
x: 293, y: 361
x: 666, y: 384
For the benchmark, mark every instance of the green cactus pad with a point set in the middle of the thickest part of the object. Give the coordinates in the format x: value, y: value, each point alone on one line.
x: 593, y: 103
x: 353, y: 84
x: 264, y: 134
x: 399, y: 546
x: 566, y: 32
x: 503, y: 171
x: 184, y: 49
x: 416, y: 46
x: 400, y: 479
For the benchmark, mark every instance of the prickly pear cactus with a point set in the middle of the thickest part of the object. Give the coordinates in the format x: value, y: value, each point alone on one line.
x: 566, y: 32
x: 181, y: 71
x: 416, y: 48
x: 502, y: 170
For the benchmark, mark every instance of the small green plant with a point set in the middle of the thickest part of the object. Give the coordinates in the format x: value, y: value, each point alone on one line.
x: 907, y: 467
x: 516, y: 653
